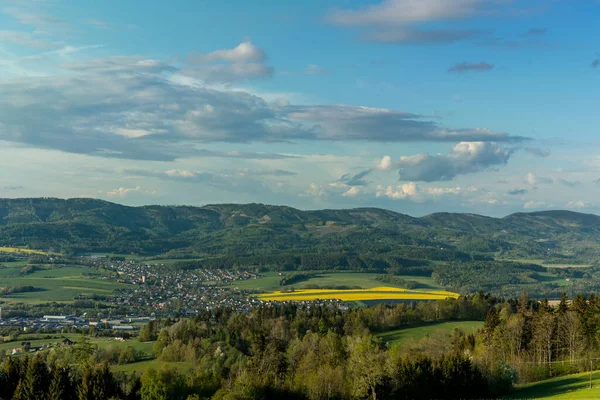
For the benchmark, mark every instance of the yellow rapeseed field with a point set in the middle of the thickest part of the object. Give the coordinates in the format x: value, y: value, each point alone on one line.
x: 377, y: 293
x: 20, y: 250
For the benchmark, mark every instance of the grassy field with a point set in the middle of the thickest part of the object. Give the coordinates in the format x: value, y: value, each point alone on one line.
x: 544, y: 264
x: 102, y: 342
x: 419, y: 332
x: 21, y: 250
x: 270, y: 281
x: 561, y: 388
x: 53, y: 284
x: 376, y: 293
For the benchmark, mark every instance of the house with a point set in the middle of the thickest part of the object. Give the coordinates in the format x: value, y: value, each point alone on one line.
x: 67, y: 342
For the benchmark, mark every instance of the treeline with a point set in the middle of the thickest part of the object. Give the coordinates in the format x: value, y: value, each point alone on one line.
x: 407, y: 260
x: 486, y: 275
x: 542, y: 341
x: 295, y: 277
x: 315, y: 367
x: 4, y: 291
x: 395, y: 280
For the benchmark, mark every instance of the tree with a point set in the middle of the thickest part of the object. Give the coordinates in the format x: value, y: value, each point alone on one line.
x: 562, y: 305
x: 523, y: 303
x: 59, y: 385
x: 571, y: 333
x: 366, y: 366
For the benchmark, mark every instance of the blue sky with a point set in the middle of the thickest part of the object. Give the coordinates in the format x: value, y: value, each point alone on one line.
x: 416, y: 106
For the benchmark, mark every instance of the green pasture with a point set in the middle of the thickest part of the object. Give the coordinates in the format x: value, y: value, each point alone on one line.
x: 54, y: 284
x: 417, y: 333
x: 562, y: 388
x: 270, y: 281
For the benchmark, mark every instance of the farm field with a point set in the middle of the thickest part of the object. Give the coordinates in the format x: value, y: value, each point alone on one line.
x: 52, y: 284
x: 417, y: 333
x: 270, y: 281
x: 376, y: 293
x: 562, y: 388
x: 544, y: 264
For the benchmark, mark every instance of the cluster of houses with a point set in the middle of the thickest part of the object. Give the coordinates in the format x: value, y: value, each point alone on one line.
x: 58, y: 322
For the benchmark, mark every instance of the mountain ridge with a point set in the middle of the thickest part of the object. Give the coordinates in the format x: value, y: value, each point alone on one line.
x: 81, y: 224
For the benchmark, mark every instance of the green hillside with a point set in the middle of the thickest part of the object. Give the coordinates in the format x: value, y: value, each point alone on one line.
x: 80, y: 225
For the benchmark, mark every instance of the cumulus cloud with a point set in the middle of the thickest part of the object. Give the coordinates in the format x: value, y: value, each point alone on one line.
x: 464, y: 158
x: 242, y: 53
x: 534, y: 205
x: 352, y: 192
x: 578, y: 204
x: 475, y: 67
x: 535, y: 180
x: 122, y: 192
x: 538, y: 152
x: 244, y: 62
x: 398, y: 192
x: 315, y: 190
x: 183, y: 173
x: 385, y: 164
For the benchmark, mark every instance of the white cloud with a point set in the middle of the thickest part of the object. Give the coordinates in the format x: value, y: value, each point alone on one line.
x: 444, y: 191
x: 398, y: 192
x: 122, y: 192
x: 243, y: 53
x: 183, y: 173
x: 385, y: 164
x: 315, y: 190
x: 465, y: 158
x: 353, y: 191
x: 534, y: 205
x: 534, y: 180
x: 244, y: 62
x: 579, y: 204
x: 401, y: 12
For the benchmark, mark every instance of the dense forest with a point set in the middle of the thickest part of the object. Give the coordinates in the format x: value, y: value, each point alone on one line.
x: 357, y: 238
x: 302, y: 352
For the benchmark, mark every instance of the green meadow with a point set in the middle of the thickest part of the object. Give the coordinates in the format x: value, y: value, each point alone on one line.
x: 417, y: 333
x: 270, y: 281
x: 53, y: 283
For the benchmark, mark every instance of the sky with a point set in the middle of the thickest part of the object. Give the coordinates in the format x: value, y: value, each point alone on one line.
x: 418, y: 106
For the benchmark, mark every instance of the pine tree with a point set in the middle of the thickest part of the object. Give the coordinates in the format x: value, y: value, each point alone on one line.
x: 11, y: 377
x: 84, y: 391
x: 563, y: 306
x: 523, y: 303
x: 58, y: 385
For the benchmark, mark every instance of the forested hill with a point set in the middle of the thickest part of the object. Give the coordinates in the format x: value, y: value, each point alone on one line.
x: 251, y: 230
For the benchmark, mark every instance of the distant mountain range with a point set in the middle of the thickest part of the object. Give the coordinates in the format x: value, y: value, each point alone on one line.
x: 246, y: 230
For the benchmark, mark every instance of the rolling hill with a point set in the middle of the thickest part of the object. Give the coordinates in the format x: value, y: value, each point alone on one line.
x: 88, y: 225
